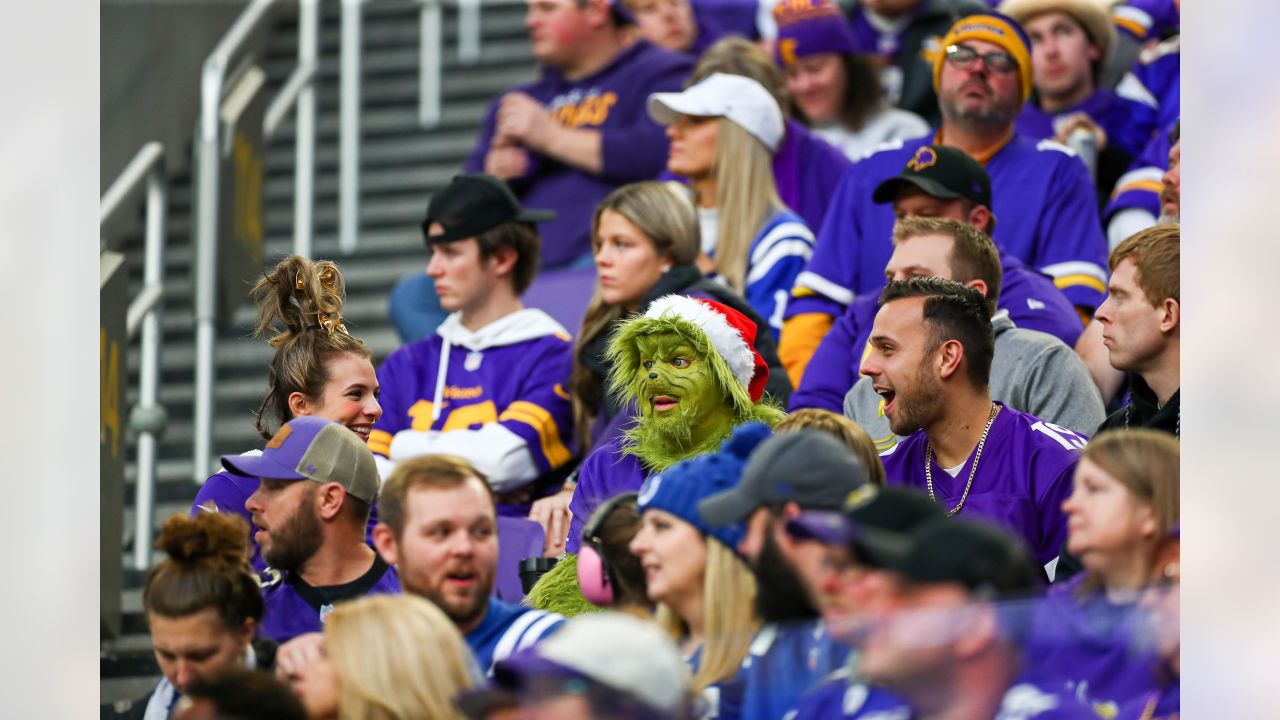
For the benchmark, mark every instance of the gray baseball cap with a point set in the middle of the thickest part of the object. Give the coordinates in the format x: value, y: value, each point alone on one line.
x: 808, y: 467
x: 312, y: 448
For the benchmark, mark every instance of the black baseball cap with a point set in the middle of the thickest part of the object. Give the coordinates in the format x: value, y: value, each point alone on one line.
x: 981, y: 557
x: 941, y: 171
x: 472, y: 204
x: 808, y: 467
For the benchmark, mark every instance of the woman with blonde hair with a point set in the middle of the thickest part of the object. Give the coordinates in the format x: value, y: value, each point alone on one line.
x: 704, y: 590
x: 1124, y: 504
x: 386, y: 657
x: 318, y: 369
x: 724, y: 131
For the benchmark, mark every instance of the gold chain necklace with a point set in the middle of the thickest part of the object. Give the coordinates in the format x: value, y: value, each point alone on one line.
x: 973, y: 470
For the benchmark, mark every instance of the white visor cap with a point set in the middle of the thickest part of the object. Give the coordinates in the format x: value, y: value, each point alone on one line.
x: 741, y: 99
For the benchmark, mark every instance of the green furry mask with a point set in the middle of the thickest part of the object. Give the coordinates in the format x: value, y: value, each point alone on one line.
x: 688, y: 398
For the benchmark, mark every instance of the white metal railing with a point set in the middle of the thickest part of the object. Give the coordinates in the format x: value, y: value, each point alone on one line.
x: 147, y: 418
x: 431, y: 50
x: 298, y: 89
x: 349, y: 127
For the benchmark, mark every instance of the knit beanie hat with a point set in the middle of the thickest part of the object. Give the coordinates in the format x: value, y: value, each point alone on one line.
x: 996, y: 29
x: 727, y: 332
x: 680, y: 488
x: 812, y: 27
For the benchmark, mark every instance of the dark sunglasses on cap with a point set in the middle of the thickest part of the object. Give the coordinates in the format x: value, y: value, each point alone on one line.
x: 964, y: 57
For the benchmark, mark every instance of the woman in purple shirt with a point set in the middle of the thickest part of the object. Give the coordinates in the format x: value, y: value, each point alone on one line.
x: 318, y: 369
x: 1125, y: 503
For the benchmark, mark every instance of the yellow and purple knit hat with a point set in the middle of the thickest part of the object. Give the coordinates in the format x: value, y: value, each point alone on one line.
x: 996, y: 29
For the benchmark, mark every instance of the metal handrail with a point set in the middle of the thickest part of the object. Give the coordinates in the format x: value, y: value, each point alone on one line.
x: 299, y: 89
x: 349, y: 127
x: 148, y: 417
x: 431, y: 52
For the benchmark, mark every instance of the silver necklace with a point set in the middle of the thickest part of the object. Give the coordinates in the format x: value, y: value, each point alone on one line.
x: 973, y: 470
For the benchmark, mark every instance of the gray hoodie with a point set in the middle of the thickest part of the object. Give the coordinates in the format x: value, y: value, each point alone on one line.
x: 1031, y: 371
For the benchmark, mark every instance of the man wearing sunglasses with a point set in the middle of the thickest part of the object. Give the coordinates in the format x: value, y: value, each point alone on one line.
x: 1044, y: 197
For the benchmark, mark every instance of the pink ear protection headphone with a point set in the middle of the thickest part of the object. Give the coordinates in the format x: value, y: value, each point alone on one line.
x: 595, y: 577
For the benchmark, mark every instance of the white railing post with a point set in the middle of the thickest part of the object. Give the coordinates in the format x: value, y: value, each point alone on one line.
x: 469, y: 31
x: 305, y: 129
x: 205, y: 269
x: 349, y: 129
x: 148, y: 418
x: 430, y: 63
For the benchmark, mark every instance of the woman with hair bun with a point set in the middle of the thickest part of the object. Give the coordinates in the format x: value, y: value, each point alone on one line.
x: 319, y: 369
x: 203, y: 606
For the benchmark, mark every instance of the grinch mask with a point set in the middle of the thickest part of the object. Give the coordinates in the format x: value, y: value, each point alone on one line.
x: 679, y: 399
x: 689, y: 398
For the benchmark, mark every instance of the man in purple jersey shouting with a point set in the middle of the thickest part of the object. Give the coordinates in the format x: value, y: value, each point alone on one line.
x: 930, y: 360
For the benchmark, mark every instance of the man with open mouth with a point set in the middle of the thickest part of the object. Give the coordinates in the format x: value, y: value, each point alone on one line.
x: 930, y: 360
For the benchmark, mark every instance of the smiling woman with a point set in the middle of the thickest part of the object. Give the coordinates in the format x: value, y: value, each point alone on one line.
x: 318, y: 369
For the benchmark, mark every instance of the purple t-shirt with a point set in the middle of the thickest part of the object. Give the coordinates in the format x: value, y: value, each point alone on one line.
x: 605, y: 473
x: 293, y: 607
x: 1023, y: 476
x: 634, y: 147
x: 1041, y: 194
x: 1090, y: 647
x: 1127, y: 123
x: 1031, y: 298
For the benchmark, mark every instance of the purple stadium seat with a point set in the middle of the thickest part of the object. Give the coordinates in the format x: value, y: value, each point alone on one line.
x: 562, y: 294
x: 518, y: 538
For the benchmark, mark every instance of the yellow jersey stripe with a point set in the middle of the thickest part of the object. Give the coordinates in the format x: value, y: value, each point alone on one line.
x: 1089, y: 281
x: 538, y: 418
x: 380, y: 442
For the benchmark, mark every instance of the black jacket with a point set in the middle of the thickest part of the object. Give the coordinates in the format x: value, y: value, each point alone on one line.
x: 1141, y: 409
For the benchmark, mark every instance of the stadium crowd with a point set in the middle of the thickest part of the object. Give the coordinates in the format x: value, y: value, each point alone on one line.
x: 873, y: 412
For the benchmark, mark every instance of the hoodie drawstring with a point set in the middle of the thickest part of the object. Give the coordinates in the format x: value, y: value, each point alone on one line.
x: 438, y: 404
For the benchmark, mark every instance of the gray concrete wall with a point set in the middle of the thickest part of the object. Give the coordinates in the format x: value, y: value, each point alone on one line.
x: 151, y: 55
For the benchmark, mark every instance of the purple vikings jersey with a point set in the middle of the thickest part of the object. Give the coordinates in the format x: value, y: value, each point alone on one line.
x: 493, y: 397
x: 1144, y: 18
x: 1023, y: 476
x: 807, y: 170
x: 1041, y: 194
x: 605, y: 473
x: 633, y: 147
x: 1031, y: 298
x: 839, y: 697
x: 293, y: 607
x: 227, y: 492
x: 508, y: 628
x: 1085, y: 645
x: 1127, y: 116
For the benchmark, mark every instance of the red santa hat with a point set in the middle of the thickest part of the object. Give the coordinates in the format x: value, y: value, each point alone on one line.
x: 731, y: 333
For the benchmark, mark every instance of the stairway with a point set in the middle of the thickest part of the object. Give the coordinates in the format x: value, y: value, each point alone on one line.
x: 401, y: 164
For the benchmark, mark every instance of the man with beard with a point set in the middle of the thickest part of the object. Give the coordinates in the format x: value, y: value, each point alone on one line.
x: 438, y: 526
x: 312, y: 534
x: 787, y: 474
x: 930, y: 359
x: 1041, y: 192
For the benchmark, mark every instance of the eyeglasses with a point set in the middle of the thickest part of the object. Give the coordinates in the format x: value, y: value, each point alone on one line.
x: 964, y: 57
